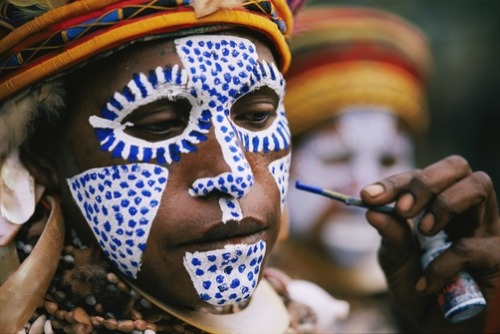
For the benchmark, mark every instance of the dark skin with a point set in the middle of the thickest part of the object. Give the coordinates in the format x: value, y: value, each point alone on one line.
x: 183, y: 223
x: 461, y: 202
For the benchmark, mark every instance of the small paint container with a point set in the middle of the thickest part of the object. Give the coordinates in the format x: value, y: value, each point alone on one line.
x: 461, y: 298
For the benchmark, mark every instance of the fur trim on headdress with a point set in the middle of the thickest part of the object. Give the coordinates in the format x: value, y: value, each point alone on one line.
x: 29, y: 9
x: 18, y: 113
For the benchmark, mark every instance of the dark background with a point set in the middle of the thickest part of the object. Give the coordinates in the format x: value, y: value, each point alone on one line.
x: 464, y: 91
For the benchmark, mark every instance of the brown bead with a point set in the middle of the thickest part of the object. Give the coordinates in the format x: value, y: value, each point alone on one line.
x: 56, y: 324
x: 50, y: 307
x: 49, y: 297
x: 110, y: 324
x: 78, y: 329
x: 60, y: 314
x: 96, y: 321
x: 125, y: 326
x: 35, y: 230
x: 153, y: 317
x: 81, y: 316
x: 140, y: 325
x: 112, y: 278
x: 69, y: 317
x: 60, y: 296
x: 69, y: 249
x: 135, y: 315
x: 98, y: 308
x: 122, y: 286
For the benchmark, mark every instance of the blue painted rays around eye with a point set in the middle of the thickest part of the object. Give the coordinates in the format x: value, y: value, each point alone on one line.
x: 168, y: 83
x: 219, y: 70
x: 120, y: 204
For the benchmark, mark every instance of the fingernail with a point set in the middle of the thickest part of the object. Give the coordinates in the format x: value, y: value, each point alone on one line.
x: 374, y: 190
x: 405, y: 202
x: 427, y: 222
x: 421, y: 284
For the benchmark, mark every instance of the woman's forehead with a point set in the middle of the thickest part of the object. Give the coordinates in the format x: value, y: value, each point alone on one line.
x: 146, y: 54
x: 114, y: 72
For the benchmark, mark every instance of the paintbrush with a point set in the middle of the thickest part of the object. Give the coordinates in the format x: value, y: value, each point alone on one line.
x: 346, y: 199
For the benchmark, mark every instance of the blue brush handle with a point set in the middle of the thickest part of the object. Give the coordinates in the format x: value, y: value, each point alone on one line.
x: 344, y: 198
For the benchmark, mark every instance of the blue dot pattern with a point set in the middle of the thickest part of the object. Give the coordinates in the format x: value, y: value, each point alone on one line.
x: 120, y: 204
x: 226, y: 276
x: 280, y: 171
x: 230, y: 209
x: 222, y: 69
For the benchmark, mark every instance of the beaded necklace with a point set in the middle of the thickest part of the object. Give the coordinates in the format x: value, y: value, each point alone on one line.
x: 87, y: 296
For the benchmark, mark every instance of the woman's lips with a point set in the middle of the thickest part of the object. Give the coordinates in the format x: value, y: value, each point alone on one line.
x: 246, y: 231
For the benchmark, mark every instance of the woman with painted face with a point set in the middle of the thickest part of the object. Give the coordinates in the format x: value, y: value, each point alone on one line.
x: 157, y: 129
x: 145, y: 155
x: 356, y: 106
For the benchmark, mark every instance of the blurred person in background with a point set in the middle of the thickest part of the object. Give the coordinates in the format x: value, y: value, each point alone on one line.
x: 356, y: 100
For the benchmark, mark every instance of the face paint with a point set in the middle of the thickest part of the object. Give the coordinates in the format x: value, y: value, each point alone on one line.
x: 169, y: 83
x: 280, y: 170
x: 365, y: 146
x: 218, y: 70
x: 226, y: 276
x: 120, y: 203
x: 223, y: 69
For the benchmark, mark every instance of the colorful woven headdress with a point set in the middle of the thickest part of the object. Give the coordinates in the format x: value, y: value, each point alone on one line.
x: 42, y: 39
x: 345, y: 57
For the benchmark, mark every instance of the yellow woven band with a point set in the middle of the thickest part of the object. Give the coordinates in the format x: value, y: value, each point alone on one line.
x: 325, y: 91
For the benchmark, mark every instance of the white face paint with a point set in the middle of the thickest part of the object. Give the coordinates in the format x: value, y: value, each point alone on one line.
x: 119, y: 203
x: 365, y: 145
x: 226, y: 276
x: 218, y: 70
x: 280, y: 170
x: 223, y: 69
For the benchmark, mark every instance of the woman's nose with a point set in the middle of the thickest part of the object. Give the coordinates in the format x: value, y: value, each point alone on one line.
x: 231, y: 171
x: 364, y: 171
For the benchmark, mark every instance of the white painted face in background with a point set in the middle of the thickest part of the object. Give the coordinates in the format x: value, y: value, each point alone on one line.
x: 359, y: 147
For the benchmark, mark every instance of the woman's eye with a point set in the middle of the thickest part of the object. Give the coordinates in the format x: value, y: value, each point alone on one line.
x: 256, y: 110
x: 159, y: 127
x: 159, y: 120
x: 337, y: 159
x: 388, y: 160
x: 255, y: 116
